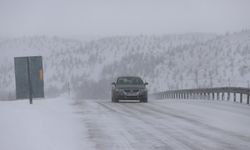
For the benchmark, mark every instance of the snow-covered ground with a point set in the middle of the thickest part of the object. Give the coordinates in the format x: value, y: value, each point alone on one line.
x: 49, y: 124
x: 167, y: 125
x: 65, y: 124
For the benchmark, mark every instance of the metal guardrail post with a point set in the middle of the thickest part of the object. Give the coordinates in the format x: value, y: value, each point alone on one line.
x: 228, y: 96
x: 240, y: 97
x: 219, y: 93
x: 218, y: 96
x: 234, y: 97
x: 248, y: 95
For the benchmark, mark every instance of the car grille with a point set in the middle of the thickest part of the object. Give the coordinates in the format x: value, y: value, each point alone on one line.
x: 131, y: 91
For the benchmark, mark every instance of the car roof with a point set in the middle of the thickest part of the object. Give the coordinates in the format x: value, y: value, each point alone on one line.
x: 128, y: 77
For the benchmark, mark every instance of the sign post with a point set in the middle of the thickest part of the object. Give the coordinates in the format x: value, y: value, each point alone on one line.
x: 29, y: 80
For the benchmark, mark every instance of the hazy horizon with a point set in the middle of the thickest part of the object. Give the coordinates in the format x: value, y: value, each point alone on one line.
x: 96, y: 18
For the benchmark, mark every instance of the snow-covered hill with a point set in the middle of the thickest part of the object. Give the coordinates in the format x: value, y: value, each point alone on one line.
x: 166, y: 62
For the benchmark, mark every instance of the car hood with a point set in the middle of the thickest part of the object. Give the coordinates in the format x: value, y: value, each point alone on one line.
x: 130, y: 86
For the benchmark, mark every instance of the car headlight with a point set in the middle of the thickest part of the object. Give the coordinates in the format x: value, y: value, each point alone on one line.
x: 118, y: 90
x: 143, y: 90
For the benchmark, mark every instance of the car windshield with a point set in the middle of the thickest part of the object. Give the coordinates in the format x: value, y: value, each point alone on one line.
x: 129, y: 81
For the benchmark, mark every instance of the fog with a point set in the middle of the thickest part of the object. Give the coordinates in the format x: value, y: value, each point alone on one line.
x: 180, y: 43
x: 116, y: 17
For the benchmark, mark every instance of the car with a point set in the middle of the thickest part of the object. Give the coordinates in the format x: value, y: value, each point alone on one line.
x: 129, y: 88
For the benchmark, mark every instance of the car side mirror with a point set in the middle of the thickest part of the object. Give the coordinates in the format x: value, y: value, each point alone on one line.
x: 146, y: 83
x: 113, y: 83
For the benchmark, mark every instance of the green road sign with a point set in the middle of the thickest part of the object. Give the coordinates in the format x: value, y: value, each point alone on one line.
x: 29, y: 77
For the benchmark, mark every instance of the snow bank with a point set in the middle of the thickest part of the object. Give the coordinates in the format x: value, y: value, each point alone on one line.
x: 49, y: 124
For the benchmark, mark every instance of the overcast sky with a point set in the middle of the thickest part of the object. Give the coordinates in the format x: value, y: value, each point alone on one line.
x: 119, y: 17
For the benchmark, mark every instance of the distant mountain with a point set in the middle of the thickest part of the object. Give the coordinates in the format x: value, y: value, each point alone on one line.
x: 86, y: 69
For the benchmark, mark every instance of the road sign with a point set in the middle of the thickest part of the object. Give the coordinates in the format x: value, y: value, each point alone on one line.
x: 29, y: 77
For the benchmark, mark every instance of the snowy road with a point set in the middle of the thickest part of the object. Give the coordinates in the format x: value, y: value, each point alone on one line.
x: 165, y: 125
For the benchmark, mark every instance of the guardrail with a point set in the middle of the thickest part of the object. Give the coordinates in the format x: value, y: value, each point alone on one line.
x: 220, y: 93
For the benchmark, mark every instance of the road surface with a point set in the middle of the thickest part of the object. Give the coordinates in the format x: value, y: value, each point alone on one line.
x: 166, y: 125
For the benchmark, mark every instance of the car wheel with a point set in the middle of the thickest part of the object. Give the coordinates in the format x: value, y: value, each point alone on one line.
x: 144, y: 100
x: 114, y: 100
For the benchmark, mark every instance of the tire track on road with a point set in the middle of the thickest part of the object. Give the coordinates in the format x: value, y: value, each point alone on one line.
x: 174, y: 138
x: 215, y: 138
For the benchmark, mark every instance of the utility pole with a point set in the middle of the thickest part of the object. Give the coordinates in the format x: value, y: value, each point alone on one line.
x: 229, y: 82
x: 68, y: 88
x: 181, y: 78
x: 196, y: 78
x: 211, y: 79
